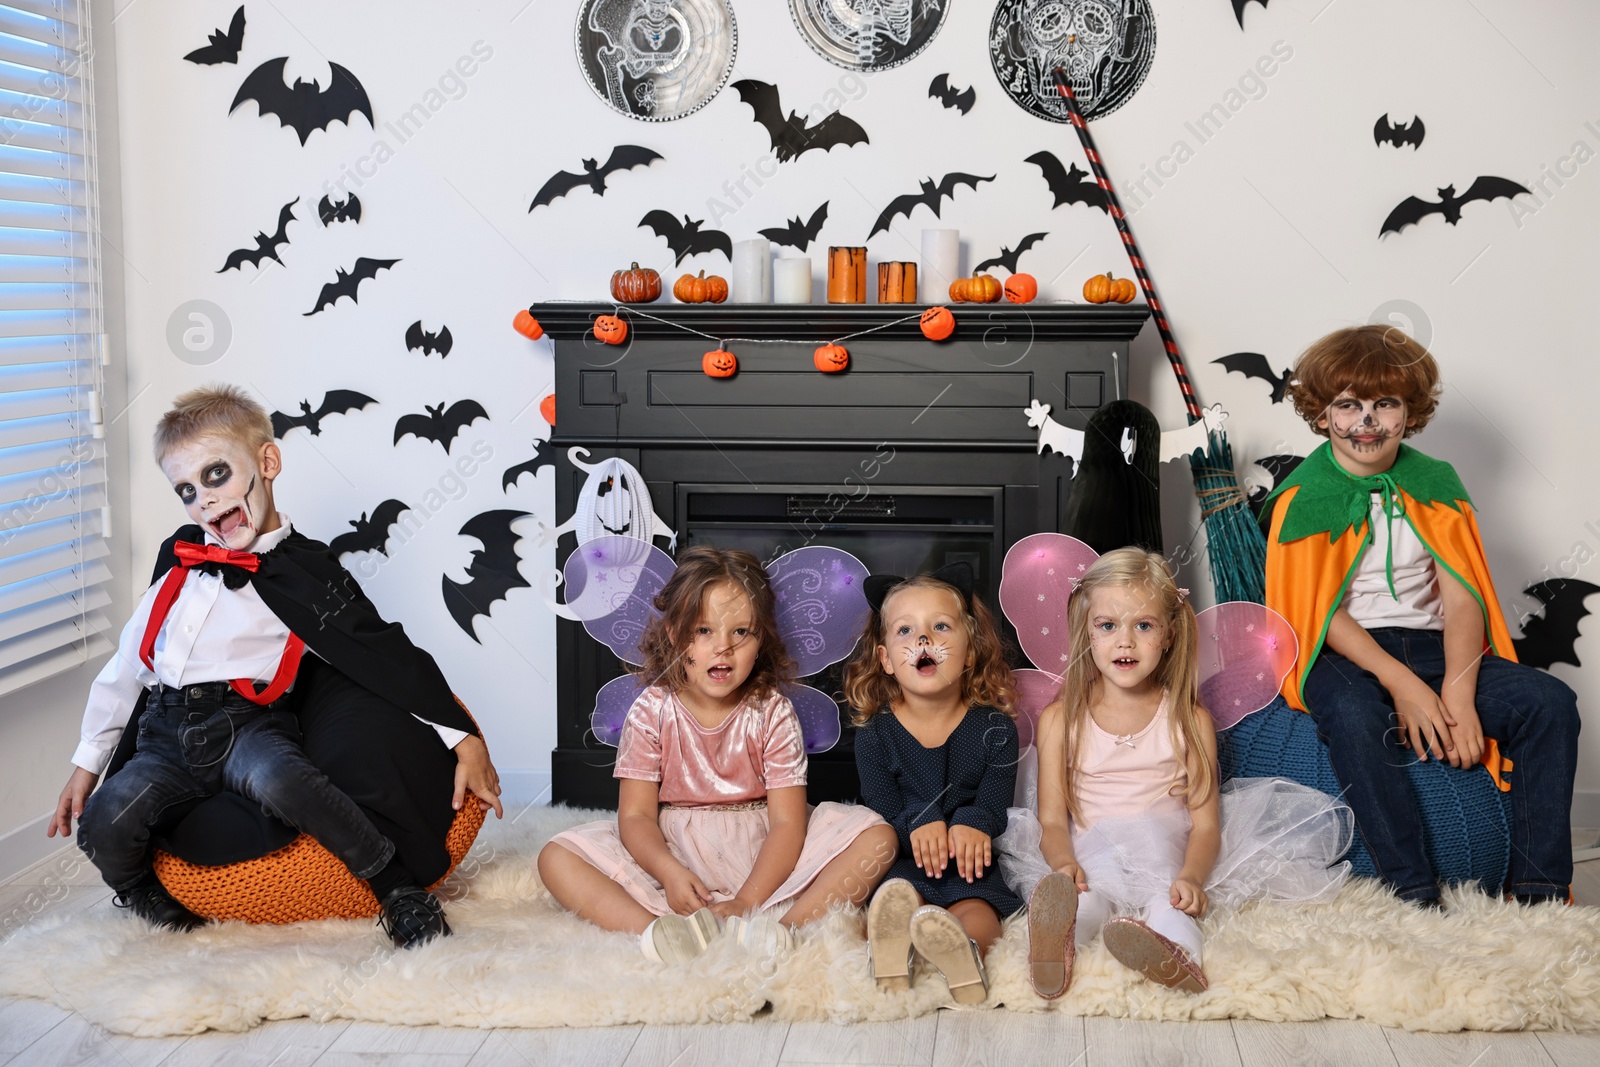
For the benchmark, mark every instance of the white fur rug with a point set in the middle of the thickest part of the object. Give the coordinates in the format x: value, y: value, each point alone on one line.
x: 517, y: 959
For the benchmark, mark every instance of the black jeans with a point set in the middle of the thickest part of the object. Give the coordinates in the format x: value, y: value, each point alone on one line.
x: 1534, y: 717
x: 197, y: 741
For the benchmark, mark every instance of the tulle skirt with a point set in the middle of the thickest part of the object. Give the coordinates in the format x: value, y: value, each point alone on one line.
x: 1280, y: 841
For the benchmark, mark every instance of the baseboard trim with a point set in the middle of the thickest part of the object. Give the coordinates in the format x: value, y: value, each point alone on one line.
x: 28, y: 845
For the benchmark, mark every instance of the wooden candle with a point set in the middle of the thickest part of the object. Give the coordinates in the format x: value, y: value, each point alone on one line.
x: 847, y: 275
x: 897, y: 283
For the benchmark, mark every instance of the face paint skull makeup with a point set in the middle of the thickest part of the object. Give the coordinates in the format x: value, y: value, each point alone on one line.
x: 1365, y: 434
x: 226, y: 487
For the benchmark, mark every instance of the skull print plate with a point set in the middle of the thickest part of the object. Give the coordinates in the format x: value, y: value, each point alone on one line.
x: 656, y: 60
x: 1104, y: 46
x: 868, y: 34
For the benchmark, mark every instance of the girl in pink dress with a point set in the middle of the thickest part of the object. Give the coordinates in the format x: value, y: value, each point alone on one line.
x: 712, y: 823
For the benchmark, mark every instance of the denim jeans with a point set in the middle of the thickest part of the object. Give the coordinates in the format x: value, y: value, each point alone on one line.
x: 1533, y: 716
x: 195, y: 742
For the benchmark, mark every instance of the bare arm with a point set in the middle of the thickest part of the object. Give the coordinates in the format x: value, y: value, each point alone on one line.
x: 1205, y: 835
x: 1050, y: 740
x: 1423, y: 720
x: 1463, y: 652
x: 639, y: 825
x: 787, y: 817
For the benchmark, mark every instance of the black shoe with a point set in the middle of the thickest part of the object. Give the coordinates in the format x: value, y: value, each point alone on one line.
x: 152, y: 903
x: 412, y: 917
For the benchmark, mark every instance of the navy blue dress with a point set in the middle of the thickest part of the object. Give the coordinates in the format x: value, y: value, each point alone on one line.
x: 969, y: 780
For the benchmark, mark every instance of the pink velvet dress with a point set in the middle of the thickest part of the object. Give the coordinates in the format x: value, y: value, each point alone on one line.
x: 713, y: 790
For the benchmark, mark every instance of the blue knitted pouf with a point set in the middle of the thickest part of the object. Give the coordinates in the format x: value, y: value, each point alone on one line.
x: 1466, y: 821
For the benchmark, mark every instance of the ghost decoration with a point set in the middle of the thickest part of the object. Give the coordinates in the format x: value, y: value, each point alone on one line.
x: 1175, y: 444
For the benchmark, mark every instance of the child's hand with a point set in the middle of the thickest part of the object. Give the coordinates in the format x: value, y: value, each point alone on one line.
x: 475, y: 773
x: 70, y: 806
x: 971, y: 851
x: 1424, y: 725
x: 1079, y: 876
x: 930, y: 848
x: 1466, y: 730
x: 726, y: 909
x: 1189, y: 898
x: 686, y: 893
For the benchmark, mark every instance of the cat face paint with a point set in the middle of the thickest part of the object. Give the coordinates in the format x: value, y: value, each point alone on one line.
x: 925, y: 642
x: 225, y: 486
x: 1365, y: 434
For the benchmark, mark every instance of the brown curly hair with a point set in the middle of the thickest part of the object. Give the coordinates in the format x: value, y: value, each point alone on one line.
x: 988, y: 681
x: 680, y: 603
x: 1371, y: 361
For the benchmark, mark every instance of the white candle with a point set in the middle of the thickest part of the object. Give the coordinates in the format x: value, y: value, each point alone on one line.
x: 752, y: 272
x: 941, y: 264
x: 791, y: 280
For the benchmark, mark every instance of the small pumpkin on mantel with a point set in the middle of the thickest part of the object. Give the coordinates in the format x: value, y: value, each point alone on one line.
x: 636, y: 285
x: 719, y: 363
x: 699, y: 289
x: 1022, y: 288
x: 831, y: 358
x: 978, y: 289
x: 1105, y: 289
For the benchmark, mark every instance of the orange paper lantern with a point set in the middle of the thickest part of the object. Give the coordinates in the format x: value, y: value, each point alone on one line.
x: 528, y: 326
x: 830, y: 358
x: 937, y: 323
x: 610, y: 329
x: 719, y: 363
x: 1021, y: 288
x: 547, y: 408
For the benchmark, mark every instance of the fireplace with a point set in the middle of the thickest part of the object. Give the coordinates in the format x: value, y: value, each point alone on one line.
x: 917, y: 456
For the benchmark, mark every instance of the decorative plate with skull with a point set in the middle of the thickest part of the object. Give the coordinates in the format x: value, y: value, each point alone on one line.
x: 656, y: 60
x: 868, y: 34
x: 1104, y: 46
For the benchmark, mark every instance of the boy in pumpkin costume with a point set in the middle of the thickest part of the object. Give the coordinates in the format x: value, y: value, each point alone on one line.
x: 1374, y: 557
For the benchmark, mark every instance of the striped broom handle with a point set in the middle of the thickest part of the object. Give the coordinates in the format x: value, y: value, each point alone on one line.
x: 1191, y: 405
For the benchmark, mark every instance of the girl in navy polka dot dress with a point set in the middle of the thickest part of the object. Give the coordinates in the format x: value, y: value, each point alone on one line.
x: 936, y: 751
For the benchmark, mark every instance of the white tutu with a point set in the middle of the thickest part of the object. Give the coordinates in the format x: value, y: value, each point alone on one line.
x: 1280, y: 841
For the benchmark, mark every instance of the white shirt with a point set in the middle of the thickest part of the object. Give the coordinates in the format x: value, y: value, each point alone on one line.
x: 212, y: 633
x: 1416, y: 603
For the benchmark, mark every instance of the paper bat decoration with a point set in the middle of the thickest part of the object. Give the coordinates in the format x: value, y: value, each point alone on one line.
x: 304, y: 106
x: 798, y: 234
x: 266, y: 247
x: 940, y: 89
x: 623, y: 157
x: 791, y: 137
x: 491, y: 574
x: 1553, y: 637
x: 541, y: 458
x: 1008, y: 256
x: 1255, y: 365
x: 346, y: 284
x: 686, y: 238
x: 337, y: 402
x: 224, y: 47
x: 1413, y: 209
x: 440, y: 425
x: 370, y: 535
x: 1174, y: 443
x: 1238, y: 9
x: 1068, y: 186
x: 346, y: 210
x: 440, y: 342
x: 1411, y: 133
x: 1260, y: 478
x: 931, y: 197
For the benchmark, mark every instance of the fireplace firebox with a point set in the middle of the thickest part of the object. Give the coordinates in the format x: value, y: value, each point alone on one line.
x: 919, y: 455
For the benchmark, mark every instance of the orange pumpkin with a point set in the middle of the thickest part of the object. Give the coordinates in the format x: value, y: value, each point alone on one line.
x: 937, y: 323
x: 1104, y: 289
x: 1021, y: 288
x: 978, y: 289
x: 610, y: 329
x: 547, y: 408
x: 719, y: 363
x: 690, y: 289
x: 636, y: 285
x: 831, y: 358
x: 528, y: 326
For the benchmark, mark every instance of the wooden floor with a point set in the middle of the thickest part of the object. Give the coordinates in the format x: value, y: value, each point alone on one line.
x: 36, y: 1034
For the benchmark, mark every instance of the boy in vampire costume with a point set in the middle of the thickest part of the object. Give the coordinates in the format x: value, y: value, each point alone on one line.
x: 369, y: 754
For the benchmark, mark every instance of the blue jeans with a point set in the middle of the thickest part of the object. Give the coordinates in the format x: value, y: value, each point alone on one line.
x: 1533, y: 716
x: 197, y: 741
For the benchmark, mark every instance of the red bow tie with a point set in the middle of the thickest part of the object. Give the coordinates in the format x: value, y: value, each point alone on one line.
x: 193, y: 555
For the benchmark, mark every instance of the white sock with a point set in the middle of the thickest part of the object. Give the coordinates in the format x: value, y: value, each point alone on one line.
x: 1093, y: 911
x: 1174, y: 925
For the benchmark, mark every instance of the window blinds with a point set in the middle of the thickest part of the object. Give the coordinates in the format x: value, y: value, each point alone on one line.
x: 53, y: 506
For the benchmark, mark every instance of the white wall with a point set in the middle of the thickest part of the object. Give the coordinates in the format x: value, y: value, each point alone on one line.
x: 1263, y: 238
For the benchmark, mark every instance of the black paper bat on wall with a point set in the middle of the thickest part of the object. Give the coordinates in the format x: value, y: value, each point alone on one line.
x: 346, y: 284
x: 940, y: 90
x: 1412, y: 209
x: 1238, y: 9
x: 440, y: 425
x: 266, y: 247
x: 798, y: 234
x: 1068, y: 186
x: 1008, y: 256
x: 1255, y: 365
x: 346, y: 210
x: 930, y: 197
x: 417, y: 337
x: 492, y: 572
x: 304, y: 105
x: 542, y: 457
x: 1553, y: 638
x: 686, y: 238
x: 224, y: 47
x: 791, y: 136
x: 1411, y: 133
x: 623, y: 157
x: 337, y: 402
x: 370, y: 535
